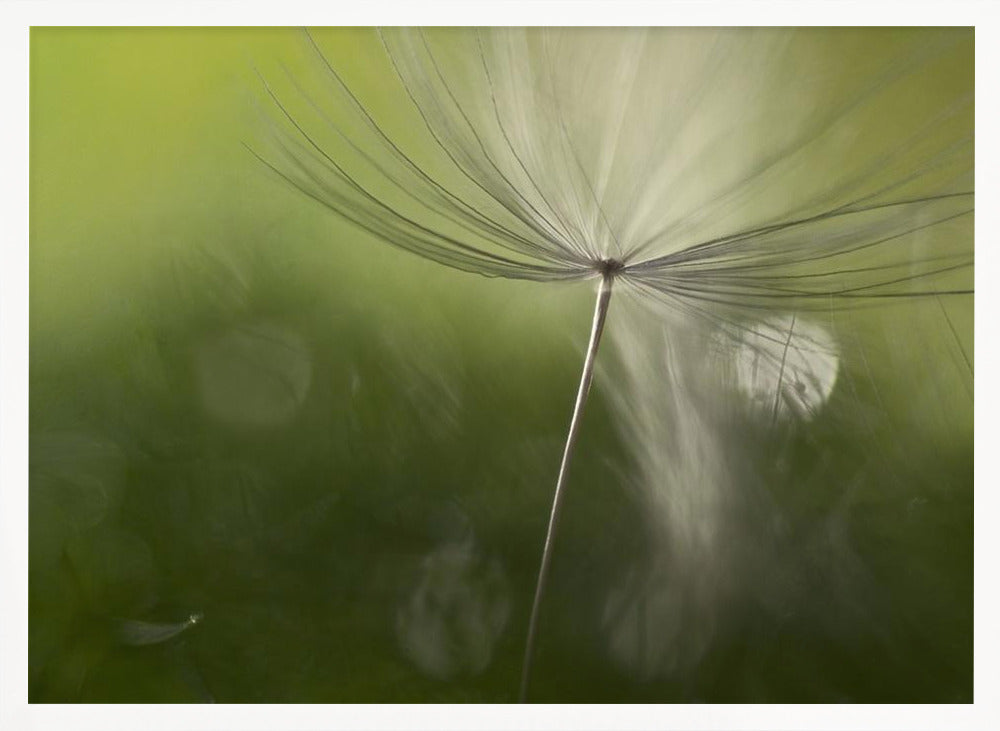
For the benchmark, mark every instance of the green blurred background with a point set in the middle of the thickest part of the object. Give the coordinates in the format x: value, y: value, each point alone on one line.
x: 244, y: 408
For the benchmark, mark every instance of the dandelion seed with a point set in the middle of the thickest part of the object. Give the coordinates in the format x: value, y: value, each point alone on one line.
x: 138, y: 633
x: 560, y: 156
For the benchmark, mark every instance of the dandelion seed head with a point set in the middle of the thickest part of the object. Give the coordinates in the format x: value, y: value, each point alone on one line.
x: 696, y: 168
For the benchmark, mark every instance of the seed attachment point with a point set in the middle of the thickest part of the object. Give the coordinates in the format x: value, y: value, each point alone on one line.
x: 610, y: 267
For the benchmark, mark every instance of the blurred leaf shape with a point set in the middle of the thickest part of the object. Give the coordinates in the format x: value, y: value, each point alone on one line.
x: 254, y: 375
x: 76, y: 479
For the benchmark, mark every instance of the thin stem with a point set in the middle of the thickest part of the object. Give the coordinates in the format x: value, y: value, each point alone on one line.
x: 600, y: 313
